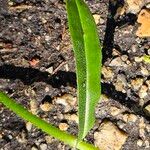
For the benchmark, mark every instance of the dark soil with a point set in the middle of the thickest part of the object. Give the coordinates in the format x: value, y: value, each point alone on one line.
x: 36, y: 30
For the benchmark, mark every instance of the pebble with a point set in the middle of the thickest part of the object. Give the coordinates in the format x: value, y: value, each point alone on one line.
x: 47, y: 89
x: 142, y: 128
x: 109, y: 137
x: 124, y: 57
x: 48, y: 139
x: 43, y: 146
x: 148, y: 128
x: 117, y: 62
x: 134, y: 6
x: 63, y: 126
x: 147, y: 110
x: 142, y: 133
x: 28, y: 126
x: 47, y: 38
x: 143, y: 91
x: 67, y: 100
x: 21, y: 138
x: 72, y: 117
x: 115, y: 52
x: 148, y: 84
x: 138, y: 59
x: 144, y: 21
x: 33, y: 106
x: 139, y: 142
x: 148, y: 6
x: 50, y: 70
x: 104, y: 98
x: 147, y: 145
x: 46, y: 106
x: 121, y: 83
x: 96, y: 18
x: 107, y: 72
x: 34, y: 148
x: 129, y: 118
x: 136, y: 83
x: 114, y: 111
x: 144, y: 71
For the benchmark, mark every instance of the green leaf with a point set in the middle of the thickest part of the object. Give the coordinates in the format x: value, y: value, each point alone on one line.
x: 43, y: 125
x: 88, y: 58
x: 146, y: 58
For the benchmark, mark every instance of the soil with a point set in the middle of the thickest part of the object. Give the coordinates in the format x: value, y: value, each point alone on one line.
x: 37, y: 65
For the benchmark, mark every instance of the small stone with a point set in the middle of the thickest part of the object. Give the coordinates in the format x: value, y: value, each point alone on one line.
x: 29, y: 30
x: 144, y: 71
x: 34, y: 148
x: 138, y: 59
x: 124, y: 57
x: 28, y: 126
x: 74, y: 117
x: 148, y: 84
x: 34, y: 62
x: 102, y: 21
x: 66, y: 67
x: 143, y: 91
x: 67, y: 100
x: 50, y: 70
x: 109, y: 137
x: 147, y: 145
x: 117, y: 62
x: 129, y: 118
x: 144, y: 20
x: 47, y: 38
x: 107, y: 72
x: 46, y: 106
x: 104, y: 98
x: 47, y: 89
x: 121, y: 83
x: 43, y: 146
x: 136, y: 83
x: 21, y: 138
x: 115, y: 52
x: 33, y: 106
x: 139, y: 142
x: 115, y: 111
x: 10, y: 136
x: 48, y: 139
x: 148, y: 128
x: 134, y: 6
x: 63, y: 126
x: 44, y: 20
x: 148, y: 6
x: 147, y: 110
x: 132, y: 118
x: 97, y: 18
x: 142, y: 128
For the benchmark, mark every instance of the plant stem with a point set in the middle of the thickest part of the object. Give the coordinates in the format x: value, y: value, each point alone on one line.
x: 43, y: 125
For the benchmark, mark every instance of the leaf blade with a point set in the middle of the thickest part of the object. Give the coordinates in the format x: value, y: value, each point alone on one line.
x: 90, y: 72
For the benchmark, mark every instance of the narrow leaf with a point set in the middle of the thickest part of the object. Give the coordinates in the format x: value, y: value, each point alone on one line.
x: 43, y: 125
x: 88, y: 57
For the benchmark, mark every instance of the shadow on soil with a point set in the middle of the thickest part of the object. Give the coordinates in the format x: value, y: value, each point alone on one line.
x: 31, y: 75
x: 113, y: 21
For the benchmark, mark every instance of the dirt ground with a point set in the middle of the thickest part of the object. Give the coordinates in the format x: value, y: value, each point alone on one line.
x: 37, y: 69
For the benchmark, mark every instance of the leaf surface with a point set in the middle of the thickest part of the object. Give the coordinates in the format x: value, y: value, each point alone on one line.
x: 87, y: 51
